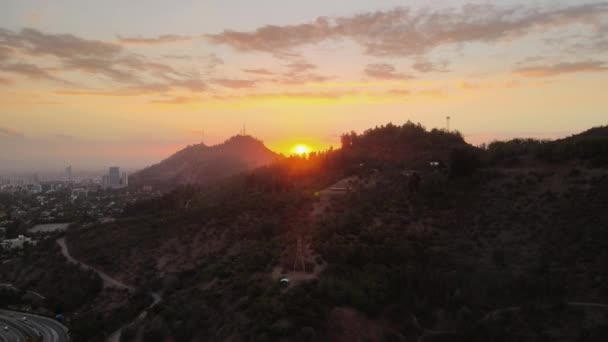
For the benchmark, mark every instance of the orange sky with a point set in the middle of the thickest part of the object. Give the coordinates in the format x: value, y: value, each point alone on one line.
x: 85, y: 85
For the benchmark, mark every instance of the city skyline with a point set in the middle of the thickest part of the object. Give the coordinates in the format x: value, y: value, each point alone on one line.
x: 88, y: 86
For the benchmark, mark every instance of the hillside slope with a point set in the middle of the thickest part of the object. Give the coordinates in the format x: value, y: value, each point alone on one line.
x: 202, y: 164
x: 484, y: 250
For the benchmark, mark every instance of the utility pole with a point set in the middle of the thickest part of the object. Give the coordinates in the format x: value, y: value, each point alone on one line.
x: 448, y: 122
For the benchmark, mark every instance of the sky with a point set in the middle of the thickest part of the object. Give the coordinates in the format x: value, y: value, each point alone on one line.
x: 99, y: 83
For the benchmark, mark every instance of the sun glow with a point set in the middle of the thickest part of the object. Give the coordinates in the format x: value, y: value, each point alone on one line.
x: 301, y: 149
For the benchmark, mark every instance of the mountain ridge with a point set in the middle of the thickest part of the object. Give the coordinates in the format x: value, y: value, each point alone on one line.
x: 202, y: 164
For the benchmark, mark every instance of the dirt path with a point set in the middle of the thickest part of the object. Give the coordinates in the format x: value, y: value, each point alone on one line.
x: 299, y: 273
x: 109, y: 282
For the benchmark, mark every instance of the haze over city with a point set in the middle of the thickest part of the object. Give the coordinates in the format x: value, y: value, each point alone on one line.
x: 98, y: 83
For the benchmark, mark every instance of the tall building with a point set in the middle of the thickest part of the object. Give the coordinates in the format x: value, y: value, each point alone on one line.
x: 68, y: 173
x: 114, y: 176
x: 124, y: 181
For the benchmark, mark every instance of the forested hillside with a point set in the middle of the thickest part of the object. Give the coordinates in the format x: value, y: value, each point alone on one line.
x: 424, y: 238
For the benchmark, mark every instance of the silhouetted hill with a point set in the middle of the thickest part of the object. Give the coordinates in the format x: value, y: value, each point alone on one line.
x: 600, y: 132
x: 483, y: 249
x: 202, y: 164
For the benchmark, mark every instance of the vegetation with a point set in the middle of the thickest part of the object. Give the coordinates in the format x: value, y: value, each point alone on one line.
x: 494, y: 244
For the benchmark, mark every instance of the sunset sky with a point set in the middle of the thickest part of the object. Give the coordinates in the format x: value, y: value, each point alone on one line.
x: 93, y: 83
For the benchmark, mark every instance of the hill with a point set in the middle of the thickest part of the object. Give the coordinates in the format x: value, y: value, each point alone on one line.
x: 501, y: 244
x: 202, y: 164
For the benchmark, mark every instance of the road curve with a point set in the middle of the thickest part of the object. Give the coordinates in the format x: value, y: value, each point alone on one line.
x: 107, y: 280
x: 13, y: 327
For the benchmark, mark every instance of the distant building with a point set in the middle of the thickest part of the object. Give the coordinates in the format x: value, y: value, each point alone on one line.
x: 79, y: 193
x: 114, y: 176
x: 17, y: 243
x: 68, y: 173
x: 114, y: 180
x: 105, y: 181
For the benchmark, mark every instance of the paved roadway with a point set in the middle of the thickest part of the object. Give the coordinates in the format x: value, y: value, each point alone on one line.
x: 35, y: 328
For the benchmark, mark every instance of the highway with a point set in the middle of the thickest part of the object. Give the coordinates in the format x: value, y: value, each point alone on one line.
x: 34, y: 328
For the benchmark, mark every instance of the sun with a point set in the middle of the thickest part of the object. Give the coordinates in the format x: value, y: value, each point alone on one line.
x: 301, y: 149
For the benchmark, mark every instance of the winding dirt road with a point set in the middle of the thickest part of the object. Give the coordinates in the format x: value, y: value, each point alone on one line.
x: 109, y: 282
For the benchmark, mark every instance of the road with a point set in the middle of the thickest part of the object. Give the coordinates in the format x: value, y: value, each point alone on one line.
x: 14, y: 328
x: 109, y: 282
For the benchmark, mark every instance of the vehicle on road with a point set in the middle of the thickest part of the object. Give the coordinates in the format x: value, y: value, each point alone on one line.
x: 5, y: 328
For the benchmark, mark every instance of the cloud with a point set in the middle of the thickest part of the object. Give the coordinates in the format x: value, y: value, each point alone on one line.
x: 6, y: 132
x: 562, y: 68
x: 30, y: 71
x: 144, y: 89
x: 6, y: 81
x: 177, y: 56
x: 175, y: 100
x: 301, y: 67
x: 307, y: 95
x: 81, y: 55
x: 5, y: 53
x: 425, y: 66
x: 275, y: 39
x: 35, y: 43
x: 234, y: 83
x: 106, y: 67
x: 163, y: 39
x: 194, y: 85
x: 404, y: 32
x: 262, y: 72
x: 383, y: 71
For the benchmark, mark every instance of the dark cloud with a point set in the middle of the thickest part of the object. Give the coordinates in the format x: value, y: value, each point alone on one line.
x: 164, y: 39
x: 562, y: 68
x: 6, y: 132
x: 262, y: 72
x: 384, y: 71
x: 404, y: 32
x: 234, y: 83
